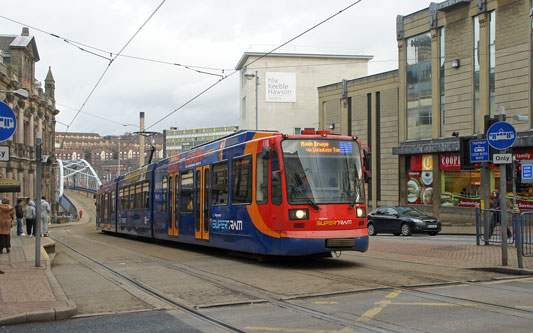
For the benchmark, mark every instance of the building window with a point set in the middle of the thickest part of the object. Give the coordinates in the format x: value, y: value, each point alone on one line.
x: 476, y: 75
x: 441, y: 84
x: 419, y: 121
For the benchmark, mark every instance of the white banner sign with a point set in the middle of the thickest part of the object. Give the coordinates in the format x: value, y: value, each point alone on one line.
x: 4, y: 154
x: 280, y: 87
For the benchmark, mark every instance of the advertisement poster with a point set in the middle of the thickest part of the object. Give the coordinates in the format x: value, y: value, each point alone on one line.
x: 420, y: 188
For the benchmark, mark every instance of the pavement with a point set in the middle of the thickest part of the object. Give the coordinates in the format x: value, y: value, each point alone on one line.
x: 32, y: 294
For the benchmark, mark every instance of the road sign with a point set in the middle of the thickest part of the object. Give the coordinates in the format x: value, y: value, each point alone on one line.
x: 526, y: 171
x: 502, y: 158
x: 479, y: 151
x: 8, y: 122
x: 501, y: 135
x: 4, y: 154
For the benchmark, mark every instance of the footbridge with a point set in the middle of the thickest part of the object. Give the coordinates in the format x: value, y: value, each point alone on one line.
x: 76, y: 175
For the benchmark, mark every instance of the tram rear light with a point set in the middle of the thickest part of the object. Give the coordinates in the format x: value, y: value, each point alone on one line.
x: 299, y: 214
x: 361, y: 212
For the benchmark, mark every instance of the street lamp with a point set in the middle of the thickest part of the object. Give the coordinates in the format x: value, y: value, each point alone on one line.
x: 20, y: 92
x: 250, y: 76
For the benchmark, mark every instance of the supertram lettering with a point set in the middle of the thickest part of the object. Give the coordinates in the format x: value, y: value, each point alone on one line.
x: 333, y: 222
x: 226, y: 225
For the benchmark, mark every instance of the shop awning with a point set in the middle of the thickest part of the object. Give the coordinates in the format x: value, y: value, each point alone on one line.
x: 9, y: 185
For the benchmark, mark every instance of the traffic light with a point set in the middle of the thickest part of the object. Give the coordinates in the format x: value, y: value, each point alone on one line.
x: 464, y: 153
x: 489, y: 122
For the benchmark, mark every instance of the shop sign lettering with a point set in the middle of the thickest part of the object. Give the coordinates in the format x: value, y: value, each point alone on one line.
x: 450, y: 162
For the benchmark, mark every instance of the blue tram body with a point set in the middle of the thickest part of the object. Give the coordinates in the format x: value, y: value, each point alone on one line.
x: 238, y: 193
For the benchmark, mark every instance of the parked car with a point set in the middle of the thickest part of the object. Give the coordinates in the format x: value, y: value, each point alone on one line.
x: 403, y: 220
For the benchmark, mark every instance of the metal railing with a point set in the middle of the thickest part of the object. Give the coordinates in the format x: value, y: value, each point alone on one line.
x: 488, y: 226
x: 526, y: 231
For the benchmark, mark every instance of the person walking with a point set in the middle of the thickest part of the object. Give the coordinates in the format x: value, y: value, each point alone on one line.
x: 45, y: 216
x: 19, y: 212
x: 29, y: 213
x: 7, y: 214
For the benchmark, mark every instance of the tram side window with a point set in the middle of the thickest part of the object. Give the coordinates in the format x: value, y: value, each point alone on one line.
x: 187, y: 191
x: 138, y: 196
x: 164, y: 194
x: 220, y: 184
x: 106, y: 207
x: 277, y: 196
x: 132, y: 196
x: 241, y: 180
x: 120, y: 198
x: 99, y: 201
x: 261, y: 182
x: 146, y: 194
x: 112, y: 202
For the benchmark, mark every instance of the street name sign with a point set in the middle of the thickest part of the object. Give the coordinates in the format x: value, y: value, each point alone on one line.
x: 479, y: 151
x: 502, y: 158
x: 501, y: 135
x: 8, y: 122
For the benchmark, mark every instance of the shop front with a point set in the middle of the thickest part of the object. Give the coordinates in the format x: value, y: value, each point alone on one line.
x: 462, y: 188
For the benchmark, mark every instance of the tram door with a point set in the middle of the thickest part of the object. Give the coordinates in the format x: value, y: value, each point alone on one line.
x: 173, y: 195
x: 203, y: 185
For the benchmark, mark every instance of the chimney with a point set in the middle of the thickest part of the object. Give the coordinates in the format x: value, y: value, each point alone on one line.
x: 25, y: 31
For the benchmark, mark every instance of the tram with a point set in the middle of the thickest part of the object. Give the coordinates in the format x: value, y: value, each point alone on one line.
x: 258, y: 192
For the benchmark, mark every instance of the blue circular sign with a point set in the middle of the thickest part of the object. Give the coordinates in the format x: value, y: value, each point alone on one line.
x: 501, y: 135
x: 8, y: 122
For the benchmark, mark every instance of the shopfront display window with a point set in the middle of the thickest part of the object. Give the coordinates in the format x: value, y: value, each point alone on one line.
x: 459, y: 188
x: 420, y: 182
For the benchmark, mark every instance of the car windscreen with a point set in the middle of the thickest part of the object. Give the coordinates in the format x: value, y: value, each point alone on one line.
x: 410, y: 211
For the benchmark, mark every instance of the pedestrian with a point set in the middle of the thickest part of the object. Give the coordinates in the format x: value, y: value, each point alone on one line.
x: 81, y: 214
x: 45, y: 216
x: 29, y: 214
x: 496, y: 205
x: 7, y: 214
x: 19, y: 212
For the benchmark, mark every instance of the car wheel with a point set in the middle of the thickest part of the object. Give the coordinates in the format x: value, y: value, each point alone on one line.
x: 406, y: 229
x: 396, y: 234
x: 371, y: 229
x: 433, y: 233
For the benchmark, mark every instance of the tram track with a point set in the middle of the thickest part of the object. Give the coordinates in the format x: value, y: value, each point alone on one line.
x: 264, y: 296
x: 260, y: 296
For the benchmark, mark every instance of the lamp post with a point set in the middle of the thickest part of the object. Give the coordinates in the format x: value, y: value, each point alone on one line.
x: 119, y: 155
x: 38, y: 184
x: 250, y: 76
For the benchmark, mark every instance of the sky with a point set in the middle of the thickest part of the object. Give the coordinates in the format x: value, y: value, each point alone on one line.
x: 209, y: 36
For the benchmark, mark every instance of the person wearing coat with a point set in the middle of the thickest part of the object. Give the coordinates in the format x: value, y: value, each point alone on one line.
x: 7, y: 214
x: 45, y: 216
x: 29, y: 213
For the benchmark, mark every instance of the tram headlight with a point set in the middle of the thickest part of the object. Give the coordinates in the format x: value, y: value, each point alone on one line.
x: 361, y: 212
x: 299, y: 214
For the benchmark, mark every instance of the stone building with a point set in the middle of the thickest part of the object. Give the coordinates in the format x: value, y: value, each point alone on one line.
x: 35, y: 114
x: 177, y: 141
x: 459, y: 61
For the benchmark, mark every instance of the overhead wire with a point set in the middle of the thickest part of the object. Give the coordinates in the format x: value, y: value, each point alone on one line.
x: 108, y: 66
x: 262, y: 56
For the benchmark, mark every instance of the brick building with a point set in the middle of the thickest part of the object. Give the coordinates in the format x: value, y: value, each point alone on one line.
x: 458, y: 62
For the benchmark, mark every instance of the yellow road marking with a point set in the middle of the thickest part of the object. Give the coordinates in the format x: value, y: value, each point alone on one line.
x: 525, y: 307
x: 295, y: 330
x: 371, y: 313
x: 325, y: 302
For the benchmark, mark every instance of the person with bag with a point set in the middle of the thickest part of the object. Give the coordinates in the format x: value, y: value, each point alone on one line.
x: 7, y: 214
x: 29, y: 213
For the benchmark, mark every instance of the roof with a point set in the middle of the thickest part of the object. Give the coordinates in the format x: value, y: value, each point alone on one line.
x: 8, y: 42
x: 246, y: 55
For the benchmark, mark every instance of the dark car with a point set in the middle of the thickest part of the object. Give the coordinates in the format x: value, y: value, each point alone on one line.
x: 403, y: 220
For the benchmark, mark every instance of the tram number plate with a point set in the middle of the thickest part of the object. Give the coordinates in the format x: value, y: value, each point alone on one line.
x: 432, y: 225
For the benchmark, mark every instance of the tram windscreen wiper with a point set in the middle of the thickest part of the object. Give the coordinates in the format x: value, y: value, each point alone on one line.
x: 311, y: 202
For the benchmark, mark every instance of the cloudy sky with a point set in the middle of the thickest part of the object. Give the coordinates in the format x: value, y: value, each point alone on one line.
x: 208, y: 35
